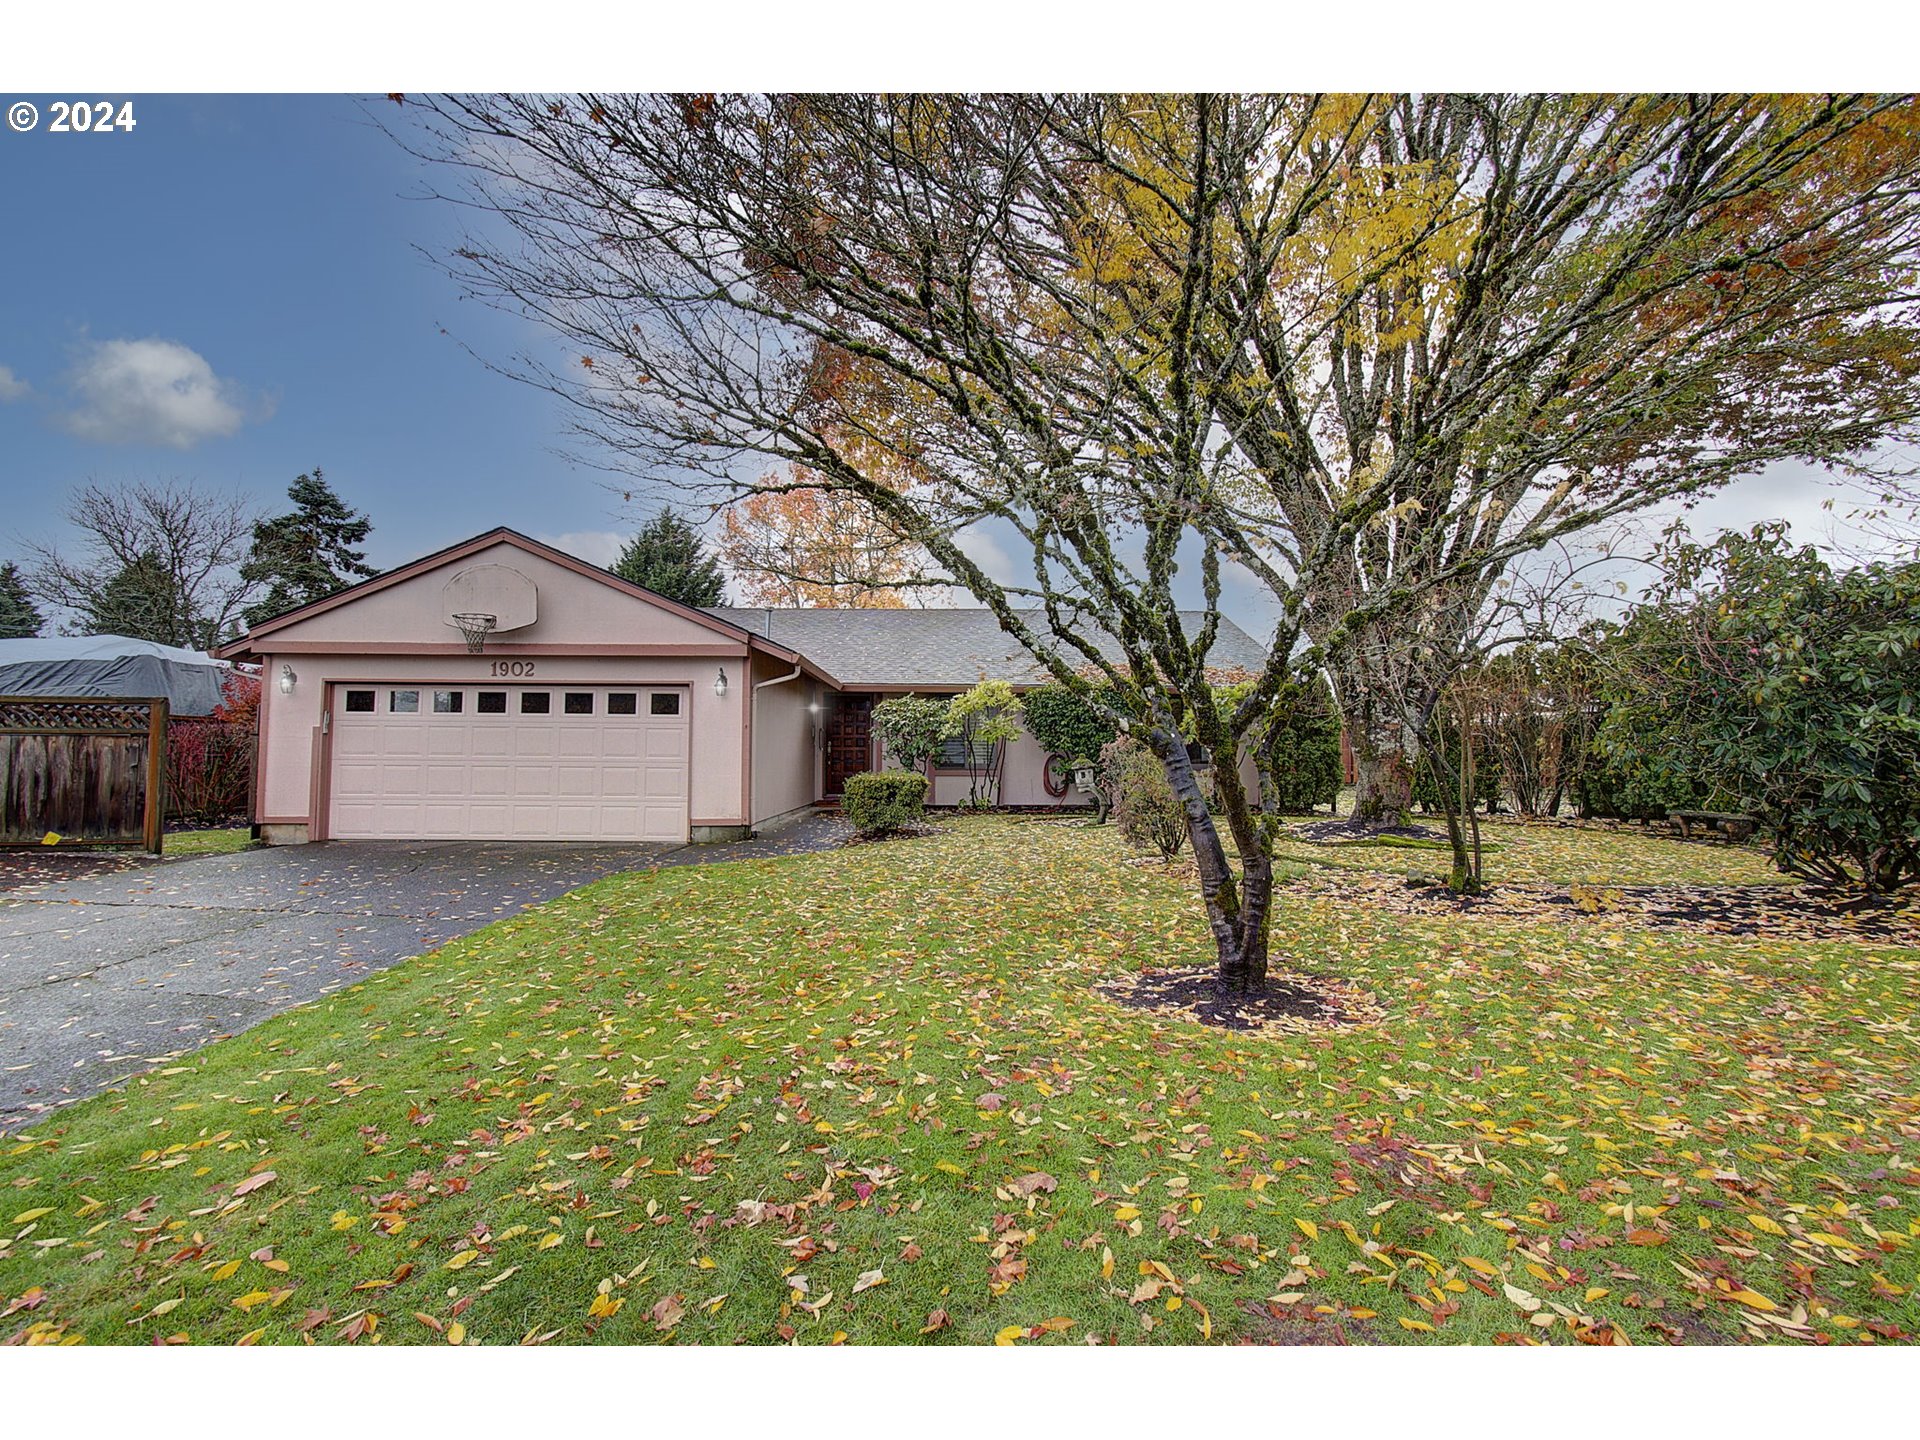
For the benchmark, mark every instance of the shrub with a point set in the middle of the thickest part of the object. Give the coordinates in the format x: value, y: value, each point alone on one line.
x: 209, y: 769
x: 883, y: 801
x: 1066, y: 723
x: 1150, y: 815
x: 209, y: 761
x: 1785, y: 689
x: 909, y: 728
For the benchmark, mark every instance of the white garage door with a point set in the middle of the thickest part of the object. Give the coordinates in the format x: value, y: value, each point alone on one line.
x: 424, y: 762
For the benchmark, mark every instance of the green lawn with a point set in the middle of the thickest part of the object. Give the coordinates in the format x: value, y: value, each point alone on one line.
x: 208, y: 842
x: 871, y: 1093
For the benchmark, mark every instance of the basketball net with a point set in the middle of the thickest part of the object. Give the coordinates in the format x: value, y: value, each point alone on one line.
x: 475, y: 628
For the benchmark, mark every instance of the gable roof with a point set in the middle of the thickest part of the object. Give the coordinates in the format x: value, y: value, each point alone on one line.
x: 247, y: 645
x: 942, y: 649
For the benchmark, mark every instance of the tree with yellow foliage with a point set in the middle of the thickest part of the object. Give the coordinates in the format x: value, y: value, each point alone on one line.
x: 1371, y: 349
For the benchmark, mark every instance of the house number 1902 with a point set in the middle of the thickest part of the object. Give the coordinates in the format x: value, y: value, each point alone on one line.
x: 513, y: 667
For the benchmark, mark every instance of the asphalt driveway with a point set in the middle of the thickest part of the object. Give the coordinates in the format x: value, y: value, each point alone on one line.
x: 110, y: 972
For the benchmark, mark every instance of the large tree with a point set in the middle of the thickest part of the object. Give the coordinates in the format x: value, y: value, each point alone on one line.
x: 669, y: 557
x: 1370, y: 349
x: 162, y: 557
x: 20, y: 618
x: 309, y: 553
x: 792, y: 543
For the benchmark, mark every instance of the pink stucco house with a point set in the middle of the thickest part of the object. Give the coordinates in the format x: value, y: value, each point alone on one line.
x: 595, y: 709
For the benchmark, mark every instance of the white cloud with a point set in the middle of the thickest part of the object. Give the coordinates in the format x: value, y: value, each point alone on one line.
x: 150, y: 392
x: 596, y: 547
x: 12, y: 387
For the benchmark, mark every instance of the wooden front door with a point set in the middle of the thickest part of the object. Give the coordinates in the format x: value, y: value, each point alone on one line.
x: 849, y: 741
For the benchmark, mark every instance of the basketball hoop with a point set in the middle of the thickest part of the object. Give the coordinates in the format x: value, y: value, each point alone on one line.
x: 475, y: 628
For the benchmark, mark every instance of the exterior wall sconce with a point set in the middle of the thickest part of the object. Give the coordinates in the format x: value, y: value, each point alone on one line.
x: 720, y: 683
x: 288, y: 679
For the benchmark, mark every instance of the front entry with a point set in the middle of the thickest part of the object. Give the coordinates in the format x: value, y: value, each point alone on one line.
x: 849, y: 741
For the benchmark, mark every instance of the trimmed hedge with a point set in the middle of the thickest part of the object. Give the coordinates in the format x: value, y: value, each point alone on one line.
x: 882, y: 801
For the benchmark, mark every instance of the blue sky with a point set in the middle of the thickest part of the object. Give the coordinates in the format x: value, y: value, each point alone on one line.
x: 271, y: 240
x: 234, y: 292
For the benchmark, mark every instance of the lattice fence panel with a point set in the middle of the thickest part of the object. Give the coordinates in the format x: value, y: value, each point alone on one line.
x: 81, y: 771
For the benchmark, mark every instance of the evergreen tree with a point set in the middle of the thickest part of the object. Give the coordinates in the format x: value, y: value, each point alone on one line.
x: 20, y: 618
x: 142, y: 602
x: 309, y: 553
x: 669, y: 558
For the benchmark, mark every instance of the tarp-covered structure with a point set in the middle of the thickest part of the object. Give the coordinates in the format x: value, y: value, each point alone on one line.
x: 112, y: 665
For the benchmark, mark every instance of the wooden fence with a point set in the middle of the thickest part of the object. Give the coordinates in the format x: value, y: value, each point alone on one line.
x: 81, y: 771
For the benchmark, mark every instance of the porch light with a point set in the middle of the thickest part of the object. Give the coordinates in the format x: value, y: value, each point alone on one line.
x: 720, y: 683
x: 287, y: 679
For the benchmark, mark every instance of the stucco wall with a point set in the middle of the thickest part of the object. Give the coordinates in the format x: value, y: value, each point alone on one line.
x: 574, y: 609
x: 785, y: 754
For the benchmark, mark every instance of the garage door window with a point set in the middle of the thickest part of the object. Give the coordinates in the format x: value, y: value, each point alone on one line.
x: 491, y: 702
x: 404, y: 702
x: 579, y: 702
x: 360, y: 702
x: 619, y: 704
x: 665, y: 703
x: 535, y: 702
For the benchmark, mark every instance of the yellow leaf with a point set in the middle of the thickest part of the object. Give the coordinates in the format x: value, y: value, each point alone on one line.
x: 1106, y: 1262
x: 1753, y: 1298
x: 252, y: 1298
x: 227, y: 1271
x: 1008, y: 1334
x: 1406, y: 1324
x: 463, y: 1259
x: 1308, y: 1229
x: 549, y: 1240
x: 26, y: 1217
x: 1479, y: 1266
x: 252, y: 1337
x: 1595, y: 1292
x: 456, y: 1332
x: 1127, y: 1212
x: 164, y: 1306
x: 343, y: 1221
x: 1763, y: 1224
x: 948, y: 1167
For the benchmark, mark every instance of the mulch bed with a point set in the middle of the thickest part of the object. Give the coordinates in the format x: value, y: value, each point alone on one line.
x: 1352, y: 832
x: 1288, y: 1004
x: 1776, y: 911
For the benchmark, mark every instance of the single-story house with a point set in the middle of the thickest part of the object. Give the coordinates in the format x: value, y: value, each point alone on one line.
x: 596, y: 709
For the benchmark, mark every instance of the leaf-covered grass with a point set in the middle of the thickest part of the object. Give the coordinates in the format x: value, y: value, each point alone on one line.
x: 870, y: 1093
x: 209, y: 842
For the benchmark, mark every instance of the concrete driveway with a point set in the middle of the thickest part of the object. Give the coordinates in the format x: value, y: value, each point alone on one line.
x: 108, y: 973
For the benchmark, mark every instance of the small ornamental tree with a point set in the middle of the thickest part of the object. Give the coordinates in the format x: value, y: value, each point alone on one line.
x: 984, y: 720
x: 909, y: 726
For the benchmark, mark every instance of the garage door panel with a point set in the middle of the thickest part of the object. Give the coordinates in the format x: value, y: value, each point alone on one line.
x: 489, y: 781
x: 442, y: 773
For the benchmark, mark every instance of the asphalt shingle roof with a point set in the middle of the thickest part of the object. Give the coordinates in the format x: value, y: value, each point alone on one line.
x: 939, y: 647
